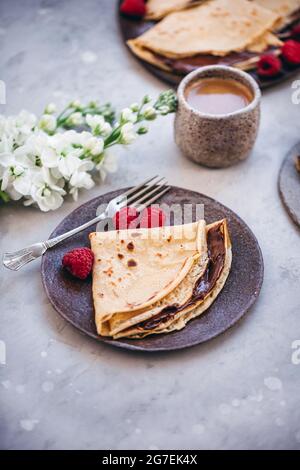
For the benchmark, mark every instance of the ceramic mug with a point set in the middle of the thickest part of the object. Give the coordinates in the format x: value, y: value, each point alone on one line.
x: 217, y: 140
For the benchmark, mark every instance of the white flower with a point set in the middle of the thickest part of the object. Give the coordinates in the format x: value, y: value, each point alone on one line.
x: 106, y: 129
x: 16, y: 129
x: 127, y: 115
x: 98, y: 148
x: 68, y: 164
x: 80, y: 179
x: 37, y: 151
x: 11, y: 172
x: 47, y: 123
x: 109, y: 164
x: 45, y: 192
x: 94, y: 145
x: 94, y: 120
x: 50, y: 108
x: 128, y: 134
x: 98, y: 124
x: 6, y: 145
x: 76, y: 119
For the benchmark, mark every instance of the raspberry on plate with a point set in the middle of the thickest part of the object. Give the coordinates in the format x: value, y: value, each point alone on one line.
x: 269, y: 65
x: 136, y: 8
x: 291, y: 52
x: 152, y: 217
x: 126, y: 218
x: 79, y: 262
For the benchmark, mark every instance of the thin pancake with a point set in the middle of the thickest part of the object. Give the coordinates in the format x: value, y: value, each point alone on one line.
x: 210, y: 285
x: 217, y: 27
x: 179, y: 295
x: 284, y: 8
x: 135, y: 268
x: 157, y: 9
x: 188, y: 64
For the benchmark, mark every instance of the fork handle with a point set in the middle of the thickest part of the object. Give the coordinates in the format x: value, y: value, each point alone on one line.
x: 54, y: 241
x: 17, y: 259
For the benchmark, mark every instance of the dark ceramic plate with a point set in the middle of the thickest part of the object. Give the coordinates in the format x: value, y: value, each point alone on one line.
x: 132, y: 28
x: 73, y: 298
x: 289, y: 185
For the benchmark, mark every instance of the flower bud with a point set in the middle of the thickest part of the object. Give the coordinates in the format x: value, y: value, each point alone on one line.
x: 164, y: 110
x: 50, y: 108
x: 142, y: 130
x: 75, y: 119
x: 135, y: 107
x: 150, y: 113
x: 75, y: 104
x: 146, y: 99
x: 92, y: 104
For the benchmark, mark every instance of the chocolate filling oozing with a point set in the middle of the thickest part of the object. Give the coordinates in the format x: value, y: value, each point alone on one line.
x: 216, y: 260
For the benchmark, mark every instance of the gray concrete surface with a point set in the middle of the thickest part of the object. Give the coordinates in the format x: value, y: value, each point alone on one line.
x: 60, y: 389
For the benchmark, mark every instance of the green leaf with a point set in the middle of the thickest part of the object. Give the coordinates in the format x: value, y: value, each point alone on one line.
x: 4, y: 196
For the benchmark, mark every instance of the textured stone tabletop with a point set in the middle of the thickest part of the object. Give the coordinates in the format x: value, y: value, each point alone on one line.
x: 60, y: 389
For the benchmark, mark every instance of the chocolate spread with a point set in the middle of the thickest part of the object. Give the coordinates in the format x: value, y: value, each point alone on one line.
x: 216, y: 259
x: 188, y: 64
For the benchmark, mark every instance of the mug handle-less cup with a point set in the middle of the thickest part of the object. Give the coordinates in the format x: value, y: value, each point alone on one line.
x: 217, y: 140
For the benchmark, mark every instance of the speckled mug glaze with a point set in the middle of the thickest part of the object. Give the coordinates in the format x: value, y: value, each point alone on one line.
x: 217, y: 140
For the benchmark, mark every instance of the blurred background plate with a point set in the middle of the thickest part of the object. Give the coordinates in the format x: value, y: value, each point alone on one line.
x: 289, y: 185
x: 132, y: 28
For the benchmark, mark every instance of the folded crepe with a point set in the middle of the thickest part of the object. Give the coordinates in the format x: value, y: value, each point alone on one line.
x: 135, y: 268
x: 157, y: 9
x: 217, y: 27
x: 206, y: 284
x: 288, y: 10
x: 191, y: 294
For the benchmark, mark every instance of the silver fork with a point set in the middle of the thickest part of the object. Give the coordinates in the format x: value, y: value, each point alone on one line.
x: 139, y: 197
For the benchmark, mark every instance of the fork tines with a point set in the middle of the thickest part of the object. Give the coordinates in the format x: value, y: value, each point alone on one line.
x: 146, y: 193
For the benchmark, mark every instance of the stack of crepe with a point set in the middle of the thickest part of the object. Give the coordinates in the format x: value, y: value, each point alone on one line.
x: 288, y: 10
x: 214, y: 31
x: 157, y: 9
x: 151, y: 281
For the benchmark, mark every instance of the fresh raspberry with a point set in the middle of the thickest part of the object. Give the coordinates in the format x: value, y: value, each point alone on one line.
x: 269, y: 65
x: 126, y: 218
x: 136, y: 8
x: 291, y: 52
x: 295, y: 33
x: 152, y: 217
x: 79, y: 262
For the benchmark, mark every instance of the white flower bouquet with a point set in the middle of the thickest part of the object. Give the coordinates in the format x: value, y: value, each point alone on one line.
x: 43, y: 160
